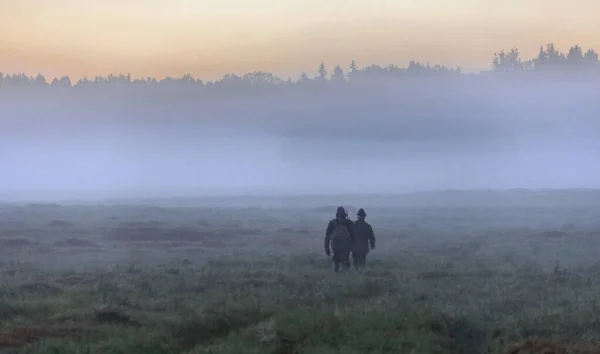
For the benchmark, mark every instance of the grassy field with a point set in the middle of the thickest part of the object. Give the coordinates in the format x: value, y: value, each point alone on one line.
x: 502, y: 272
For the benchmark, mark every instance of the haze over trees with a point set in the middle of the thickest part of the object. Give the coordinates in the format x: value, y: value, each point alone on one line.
x: 506, y: 127
x: 576, y: 62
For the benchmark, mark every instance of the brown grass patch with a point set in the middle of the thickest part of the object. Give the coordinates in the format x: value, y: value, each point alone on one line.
x: 70, y: 281
x: 143, y: 224
x: 43, y: 206
x: 41, y: 289
x: 112, y: 316
x: 15, y: 242
x: 60, y: 224
x: 20, y: 337
x: 214, y: 244
x: 242, y: 231
x: 203, y: 223
x: 545, y: 346
x: 551, y: 234
x: 285, y: 230
x: 74, y: 242
x: 288, y: 231
x: 81, y: 278
x: 233, y: 224
x: 11, y: 224
x: 164, y: 234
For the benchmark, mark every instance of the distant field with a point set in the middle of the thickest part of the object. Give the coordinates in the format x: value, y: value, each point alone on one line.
x: 452, y: 272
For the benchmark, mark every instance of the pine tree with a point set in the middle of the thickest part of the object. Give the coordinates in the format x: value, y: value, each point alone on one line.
x: 322, y: 72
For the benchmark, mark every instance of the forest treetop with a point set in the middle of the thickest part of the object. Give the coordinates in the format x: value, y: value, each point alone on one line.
x: 549, y: 62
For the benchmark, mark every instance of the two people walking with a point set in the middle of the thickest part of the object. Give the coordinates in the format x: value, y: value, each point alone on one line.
x: 345, y: 237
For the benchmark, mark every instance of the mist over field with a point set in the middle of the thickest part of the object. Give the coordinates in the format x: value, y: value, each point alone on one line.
x: 392, y: 130
x: 126, y: 258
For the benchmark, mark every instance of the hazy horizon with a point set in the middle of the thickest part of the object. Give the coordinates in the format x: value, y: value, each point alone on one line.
x: 362, y: 137
x: 526, y: 124
x: 158, y: 38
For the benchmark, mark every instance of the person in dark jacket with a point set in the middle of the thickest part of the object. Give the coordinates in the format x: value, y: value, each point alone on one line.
x: 340, y: 235
x: 364, y: 237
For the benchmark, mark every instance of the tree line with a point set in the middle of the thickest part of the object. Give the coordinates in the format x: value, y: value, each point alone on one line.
x: 549, y: 59
x: 576, y: 61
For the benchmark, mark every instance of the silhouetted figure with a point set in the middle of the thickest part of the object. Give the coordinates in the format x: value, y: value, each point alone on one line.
x: 340, y: 233
x: 364, y: 237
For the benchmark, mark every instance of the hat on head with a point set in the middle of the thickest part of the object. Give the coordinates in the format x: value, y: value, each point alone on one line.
x: 340, y: 211
x: 361, y: 212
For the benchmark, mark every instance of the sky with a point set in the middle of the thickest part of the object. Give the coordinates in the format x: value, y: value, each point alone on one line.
x: 210, y: 38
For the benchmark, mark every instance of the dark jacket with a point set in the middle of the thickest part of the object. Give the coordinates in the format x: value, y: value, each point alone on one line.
x: 364, y: 236
x: 335, y: 244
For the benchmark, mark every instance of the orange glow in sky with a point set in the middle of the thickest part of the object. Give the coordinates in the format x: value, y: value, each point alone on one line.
x: 209, y: 38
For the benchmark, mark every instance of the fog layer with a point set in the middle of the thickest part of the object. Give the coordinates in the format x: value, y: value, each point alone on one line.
x: 459, y: 132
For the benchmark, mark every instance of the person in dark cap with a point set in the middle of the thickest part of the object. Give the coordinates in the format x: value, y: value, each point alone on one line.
x: 340, y: 235
x: 365, y: 237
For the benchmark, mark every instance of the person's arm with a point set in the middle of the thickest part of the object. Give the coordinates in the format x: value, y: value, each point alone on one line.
x: 328, y: 237
x: 371, y: 237
x: 352, y: 231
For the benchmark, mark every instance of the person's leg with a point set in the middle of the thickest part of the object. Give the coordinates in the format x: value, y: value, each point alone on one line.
x: 355, y: 260
x: 358, y: 259
x: 336, y: 261
x: 345, y: 259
